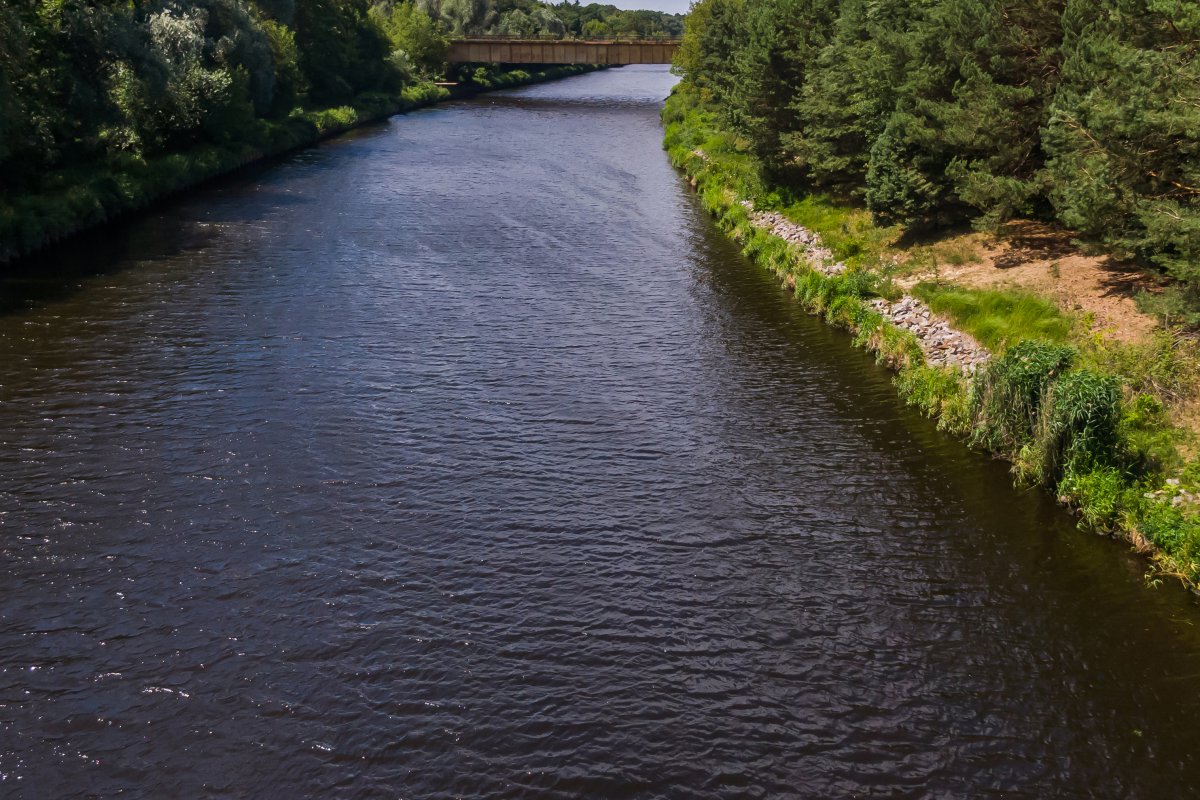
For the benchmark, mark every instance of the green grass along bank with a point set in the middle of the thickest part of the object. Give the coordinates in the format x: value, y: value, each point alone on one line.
x: 1080, y: 416
x: 82, y: 197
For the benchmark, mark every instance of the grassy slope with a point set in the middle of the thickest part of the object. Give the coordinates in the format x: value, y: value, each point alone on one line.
x: 85, y: 195
x: 997, y: 319
x: 1083, y: 417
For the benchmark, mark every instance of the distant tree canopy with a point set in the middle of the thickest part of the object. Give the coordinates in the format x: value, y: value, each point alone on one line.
x: 82, y: 80
x: 937, y: 111
x: 600, y: 21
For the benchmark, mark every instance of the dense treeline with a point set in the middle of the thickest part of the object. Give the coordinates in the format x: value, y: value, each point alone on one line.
x: 105, y: 104
x: 88, y: 80
x: 937, y: 111
x: 597, y: 21
x: 531, y: 18
x: 82, y: 79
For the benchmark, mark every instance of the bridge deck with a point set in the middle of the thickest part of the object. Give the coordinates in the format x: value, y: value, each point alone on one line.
x: 561, y: 51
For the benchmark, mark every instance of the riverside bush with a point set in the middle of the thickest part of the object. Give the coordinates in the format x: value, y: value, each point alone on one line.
x: 1151, y: 444
x: 1007, y: 396
x: 1099, y: 494
x: 1168, y: 528
x: 940, y: 393
x: 1077, y: 427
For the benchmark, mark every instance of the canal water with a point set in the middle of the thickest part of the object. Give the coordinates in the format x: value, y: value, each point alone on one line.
x: 463, y: 457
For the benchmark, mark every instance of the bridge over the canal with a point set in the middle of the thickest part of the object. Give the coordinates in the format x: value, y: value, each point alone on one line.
x: 535, y: 50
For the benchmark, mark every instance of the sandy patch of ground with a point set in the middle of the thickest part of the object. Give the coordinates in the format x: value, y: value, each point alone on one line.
x: 1039, y: 259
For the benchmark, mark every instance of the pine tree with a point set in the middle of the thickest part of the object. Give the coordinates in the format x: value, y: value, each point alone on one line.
x: 781, y: 40
x: 849, y: 94
x: 1124, y: 135
x: 964, y: 134
x: 712, y: 31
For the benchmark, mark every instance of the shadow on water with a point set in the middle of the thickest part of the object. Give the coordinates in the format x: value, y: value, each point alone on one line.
x: 61, y: 271
x: 182, y: 223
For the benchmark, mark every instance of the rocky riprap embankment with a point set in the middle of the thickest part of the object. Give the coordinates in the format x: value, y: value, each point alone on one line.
x: 943, y: 346
x: 1179, y: 497
x: 819, y: 257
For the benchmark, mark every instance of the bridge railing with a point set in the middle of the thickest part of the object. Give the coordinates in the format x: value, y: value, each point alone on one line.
x: 501, y: 49
x: 565, y: 37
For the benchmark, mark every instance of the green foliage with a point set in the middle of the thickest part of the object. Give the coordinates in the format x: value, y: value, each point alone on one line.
x: 418, y: 44
x: 290, y: 83
x: 597, y: 20
x: 935, y: 112
x: 342, y: 50
x: 781, y: 39
x: 940, y: 393
x: 1151, y: 443
x: 534, y: 18
x: 1124, y: 134
x: 850, y: 91
x: 86, y: 80
x: 98, y: 97
x: 963, y: 133
x: 891, y: 345
x: 1174, y: 532
x: 1007, y: 396
x: 1099, y: 494
x: 997, y: 319
x: 461, y: 17
x: 1166, y: 365
x: 1176, y: 304
x: 1077, y: 430
x: 902, y: 181
x: 849, y: 233
x: 712, y: 29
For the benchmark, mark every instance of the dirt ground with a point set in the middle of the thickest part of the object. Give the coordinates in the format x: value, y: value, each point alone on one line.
x: 1039, y: 259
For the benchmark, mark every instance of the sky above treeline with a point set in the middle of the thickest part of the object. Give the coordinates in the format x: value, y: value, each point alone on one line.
x: 670, y: 6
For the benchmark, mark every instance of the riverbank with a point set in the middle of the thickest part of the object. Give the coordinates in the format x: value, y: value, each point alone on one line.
x: 1099, y: 417
x: 85, y: 197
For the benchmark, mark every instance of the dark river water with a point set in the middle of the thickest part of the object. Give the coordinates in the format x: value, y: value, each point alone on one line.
x: 463, y: 457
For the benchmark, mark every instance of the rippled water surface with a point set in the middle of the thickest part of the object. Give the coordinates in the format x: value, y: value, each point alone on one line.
x: 462, y: 457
